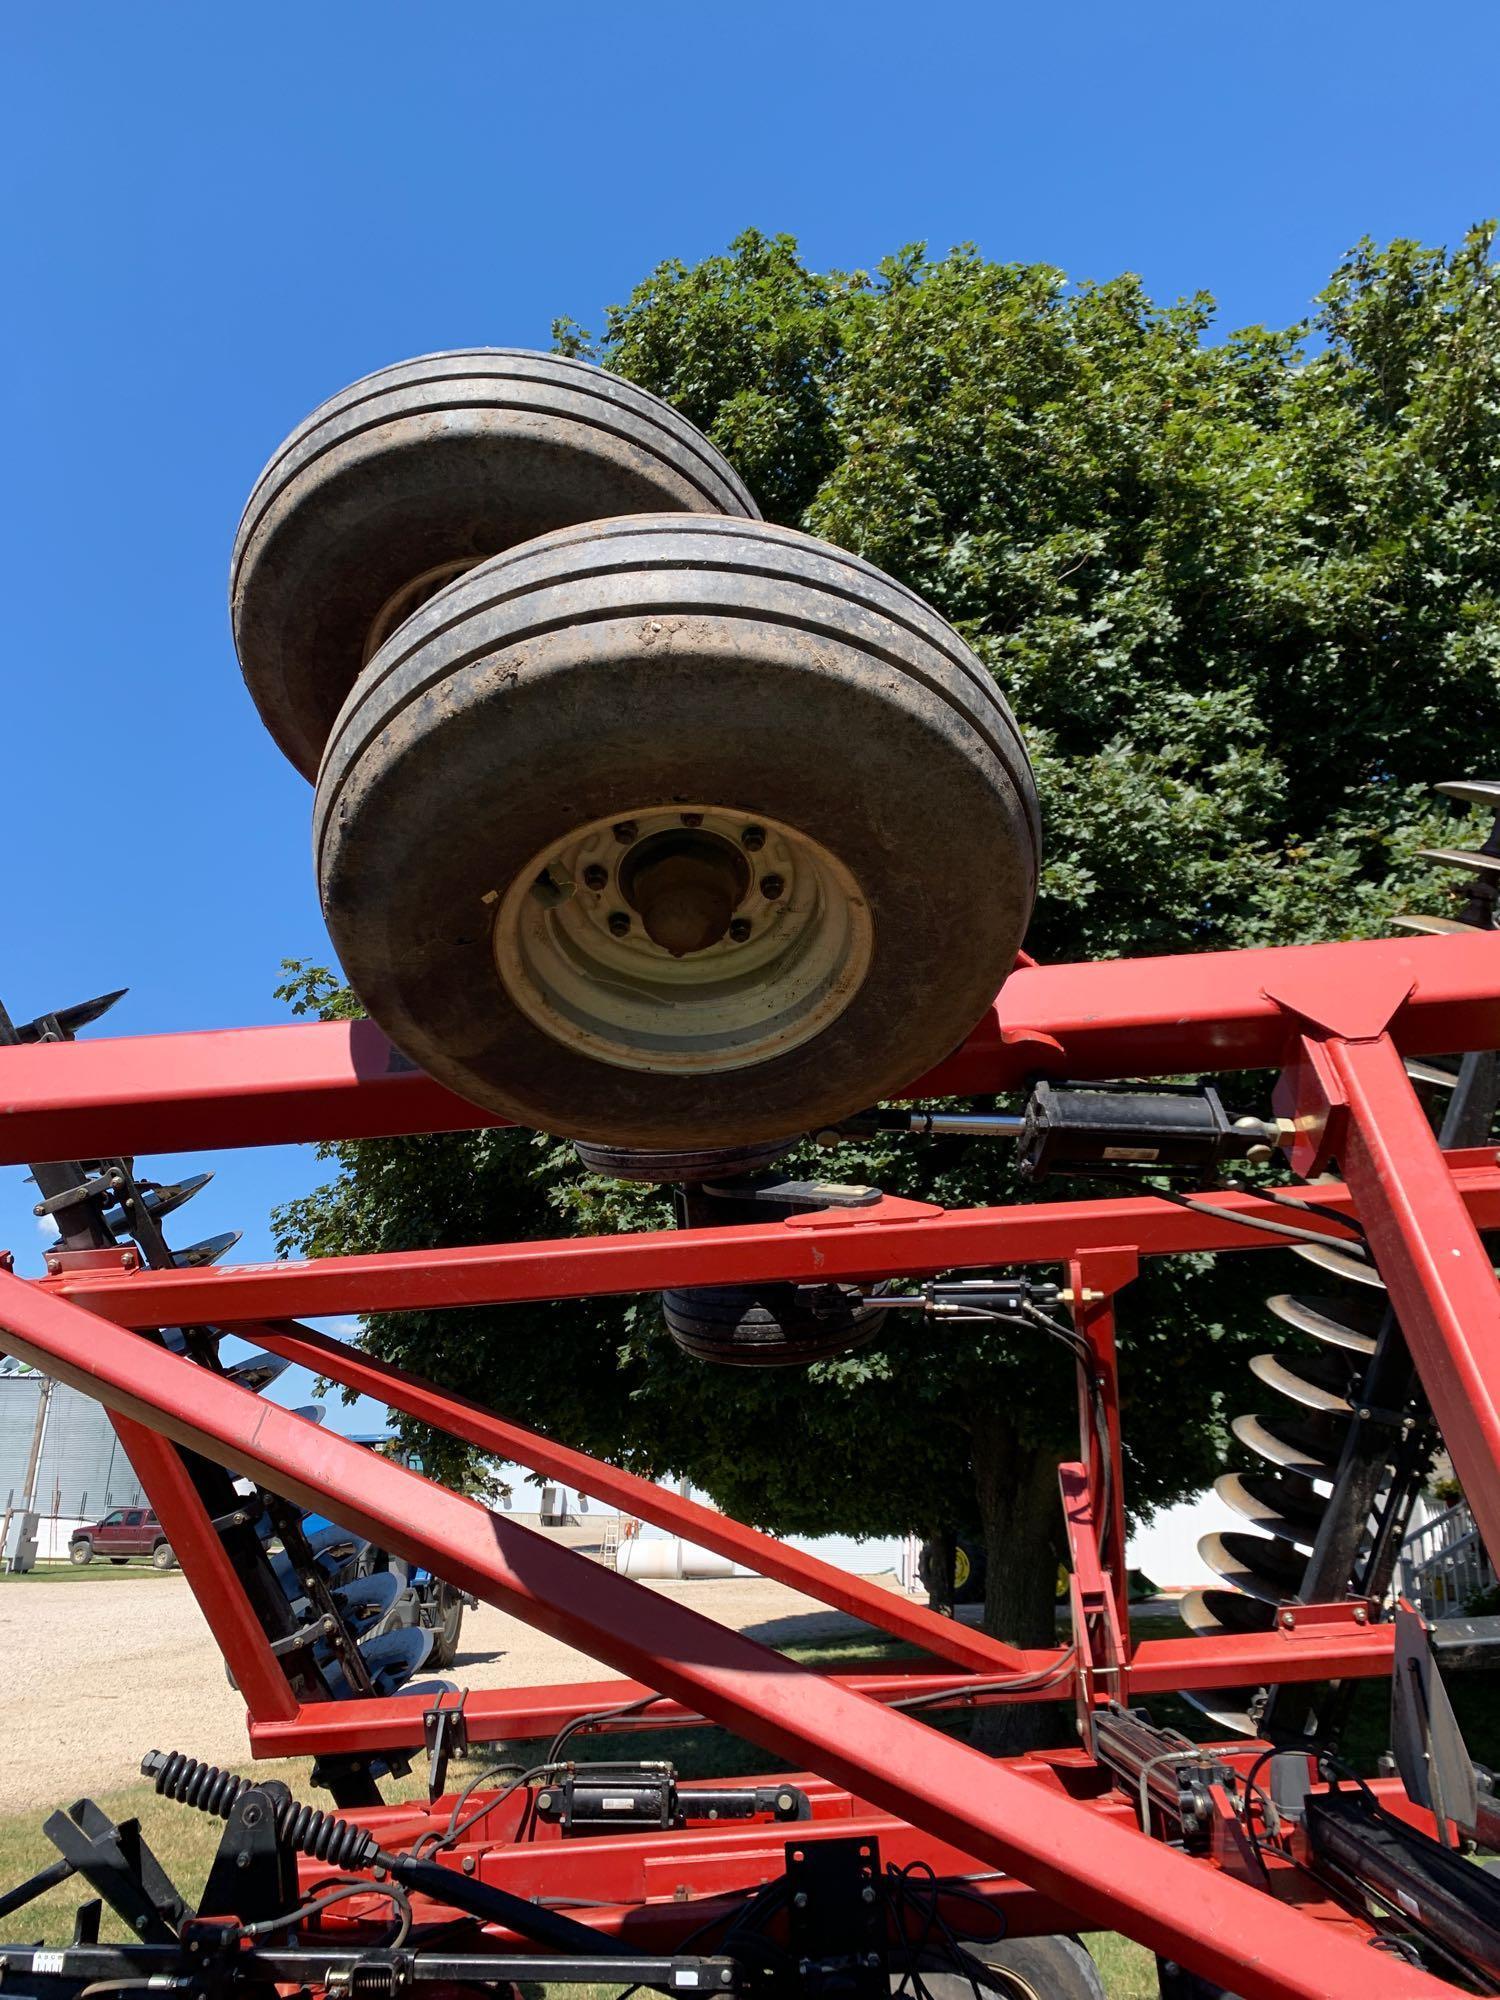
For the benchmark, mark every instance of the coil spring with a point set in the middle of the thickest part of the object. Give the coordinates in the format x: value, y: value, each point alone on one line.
x: 322, y: 1836
x: 372, y: 1981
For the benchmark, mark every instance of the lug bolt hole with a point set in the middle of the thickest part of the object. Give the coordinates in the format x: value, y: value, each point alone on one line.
x: 771, y: 887
x: 753, y: 839
x: 739, y: 930
x: 595, y: 877
x: 626, y: 831
x: 619, y: 924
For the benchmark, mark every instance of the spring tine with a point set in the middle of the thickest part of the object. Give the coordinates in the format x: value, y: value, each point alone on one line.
x: 1474, y: 860
x: 1430, y: 1073
x: 257, y: 1371
x: 1477, y: 791
x: 162, y: 1198
x: 1307, y: 1445
x: 1351, y: 1323
x: 1323, y: 1383
x: 1327, y: 1258
x: 1267, y: 1570
x: 209, y: 1251
x: 1430, y: 926
x: 1277, y: 1503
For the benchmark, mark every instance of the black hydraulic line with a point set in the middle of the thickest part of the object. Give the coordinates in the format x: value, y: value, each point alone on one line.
x: 344, y: 1845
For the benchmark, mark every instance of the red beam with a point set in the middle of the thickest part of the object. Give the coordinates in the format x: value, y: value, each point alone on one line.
x: 1112, y: 1876
x: 218, y: 1590
x: 1159, y: 1666
x: 512, y: 1714
x: 513, y: 1443
x: 1440, y: 1276
x: 1116, y: 1017
x: 892, y: 1239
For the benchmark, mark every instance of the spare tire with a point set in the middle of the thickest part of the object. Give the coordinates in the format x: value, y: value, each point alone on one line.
x: 770, y: 1326
x: 671, y: 832
x: 413, y: 475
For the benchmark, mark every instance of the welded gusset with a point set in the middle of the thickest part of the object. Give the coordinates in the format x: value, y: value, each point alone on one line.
x: 1112, y: 1877
x: 1119, y: 1017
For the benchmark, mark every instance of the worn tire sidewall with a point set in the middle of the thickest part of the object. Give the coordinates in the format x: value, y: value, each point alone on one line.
x: 421, y: 827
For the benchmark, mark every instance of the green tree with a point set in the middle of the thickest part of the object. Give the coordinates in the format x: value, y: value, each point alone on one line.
x: 1242, y: 594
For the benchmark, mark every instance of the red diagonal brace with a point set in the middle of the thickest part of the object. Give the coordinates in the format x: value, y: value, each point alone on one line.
x: 1112, y: 1876
x: 944, y: 1637
x: 1429, y: 1253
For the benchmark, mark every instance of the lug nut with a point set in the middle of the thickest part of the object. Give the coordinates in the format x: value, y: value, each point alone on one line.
x: 626, y: 831
x: 691, y: 819
x: 753, y: 839
x: 739, y: 930
x: 595, y: 877
x: 619, y: 924
x: 771, y: 887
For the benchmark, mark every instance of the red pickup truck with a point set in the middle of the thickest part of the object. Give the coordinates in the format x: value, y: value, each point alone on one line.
x: 123, y: 1533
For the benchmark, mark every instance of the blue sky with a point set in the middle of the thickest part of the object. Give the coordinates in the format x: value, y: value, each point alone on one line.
x: 216, y: 216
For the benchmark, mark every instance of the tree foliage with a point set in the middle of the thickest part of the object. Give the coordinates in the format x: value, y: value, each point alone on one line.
x: 1241, y: 592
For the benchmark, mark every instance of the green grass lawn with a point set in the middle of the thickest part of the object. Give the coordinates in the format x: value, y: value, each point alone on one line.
x: 94, y: 1572
x: 184, y: 1841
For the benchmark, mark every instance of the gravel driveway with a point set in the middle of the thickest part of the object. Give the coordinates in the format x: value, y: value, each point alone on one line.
x: 102, y: 1673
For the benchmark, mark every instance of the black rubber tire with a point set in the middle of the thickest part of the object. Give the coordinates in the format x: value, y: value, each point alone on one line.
x: 601, y: 669
x: 162, y: 1556
x: 961, y: 1583
x: 445, y: 1634
x: 770, y: 1326
x: 690, y: 1167
x: 80, y: 1553
x: 445, y: 459
x: 1040, y: 1968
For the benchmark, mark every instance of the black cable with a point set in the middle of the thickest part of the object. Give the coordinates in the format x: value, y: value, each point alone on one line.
x: 1020, y: 1683
x: 602, y: 1715
x: 339, y: 1893
x: 1353, y: 1244
x: 457, y: 1828
x: 1289, y: 1200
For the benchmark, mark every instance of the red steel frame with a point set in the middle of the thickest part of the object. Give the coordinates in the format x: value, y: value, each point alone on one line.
x: 1335, y: 1020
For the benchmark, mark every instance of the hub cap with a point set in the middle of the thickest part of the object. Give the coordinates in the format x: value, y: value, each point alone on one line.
x: 683, y: 938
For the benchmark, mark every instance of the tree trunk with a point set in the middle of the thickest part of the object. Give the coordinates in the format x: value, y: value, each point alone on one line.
x: 1021, y: 1519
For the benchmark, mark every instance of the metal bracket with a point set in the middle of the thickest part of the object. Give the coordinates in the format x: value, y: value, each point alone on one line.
x: 446, y: 1734
x: 62, y: 1263
x: 254, y: 1872
x: 1312, y: 1621
x: 116, y: 1862
x: 836, y: 1920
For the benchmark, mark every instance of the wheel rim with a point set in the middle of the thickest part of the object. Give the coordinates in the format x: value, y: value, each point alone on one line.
x: 400, y: 605
x: 683, y: 939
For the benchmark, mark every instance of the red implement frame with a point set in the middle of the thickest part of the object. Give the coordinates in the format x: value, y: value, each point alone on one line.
x: 1334, y: 1019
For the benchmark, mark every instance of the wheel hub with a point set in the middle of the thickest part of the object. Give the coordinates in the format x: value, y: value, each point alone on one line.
x: 683, y: 938
x: 686, y: 887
